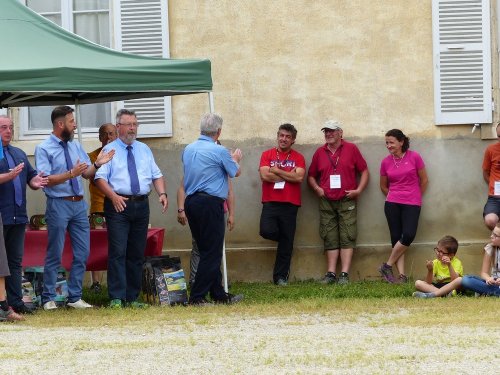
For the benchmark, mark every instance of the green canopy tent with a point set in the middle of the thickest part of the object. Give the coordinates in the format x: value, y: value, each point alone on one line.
x: 44, y: 64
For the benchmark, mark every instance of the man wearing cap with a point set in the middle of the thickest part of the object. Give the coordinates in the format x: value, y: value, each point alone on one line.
x: 333, y: 177
x: 282, y: 171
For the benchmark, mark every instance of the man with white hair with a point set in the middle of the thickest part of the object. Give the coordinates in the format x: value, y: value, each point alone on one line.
x: 207, y: 167
x: 333, y: 177
x: 126, y: 183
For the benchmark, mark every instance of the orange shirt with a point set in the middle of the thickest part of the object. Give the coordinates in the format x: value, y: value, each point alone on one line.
x: 491, y: 164
x: 96, y: 196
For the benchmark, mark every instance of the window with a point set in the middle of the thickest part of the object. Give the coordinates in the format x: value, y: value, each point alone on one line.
x: 133, y: 26
x: 462, y: 61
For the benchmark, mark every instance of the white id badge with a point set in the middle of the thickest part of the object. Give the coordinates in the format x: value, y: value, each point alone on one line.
x: 279, y: 185
x: 497, y: 188
x: 334, y: 181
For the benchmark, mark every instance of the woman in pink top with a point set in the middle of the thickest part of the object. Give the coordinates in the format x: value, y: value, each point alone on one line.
x: 403, y: 180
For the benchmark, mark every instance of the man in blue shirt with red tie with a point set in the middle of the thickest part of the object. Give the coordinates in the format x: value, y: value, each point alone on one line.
x: 64, y: 162
x: 15, y: 173
x: 126, y: 182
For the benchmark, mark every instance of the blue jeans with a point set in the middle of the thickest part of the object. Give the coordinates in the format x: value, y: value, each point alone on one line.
x: 127, y: 234
x: 478, y: 285
x: 62, y: 215
x: 14, y: 245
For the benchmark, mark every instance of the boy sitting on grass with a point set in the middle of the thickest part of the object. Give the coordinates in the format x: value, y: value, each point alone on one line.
x: 442, y: 270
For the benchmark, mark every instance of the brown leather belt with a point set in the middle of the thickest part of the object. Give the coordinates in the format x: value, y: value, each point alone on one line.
x: 73, y: 198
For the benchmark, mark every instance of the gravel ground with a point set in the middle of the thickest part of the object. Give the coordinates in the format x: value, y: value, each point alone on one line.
x: 295, y: 344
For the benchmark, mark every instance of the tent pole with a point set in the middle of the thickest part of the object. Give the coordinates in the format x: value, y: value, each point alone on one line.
x: 211, y: 102
x: 78, y: 121
x: 224, y: 264
x: 79, y: 125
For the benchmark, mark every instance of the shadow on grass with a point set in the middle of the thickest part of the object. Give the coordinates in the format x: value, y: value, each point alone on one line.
x: 264, y: 293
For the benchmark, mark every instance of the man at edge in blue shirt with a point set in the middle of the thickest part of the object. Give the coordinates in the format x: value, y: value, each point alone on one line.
x: 15, y: 173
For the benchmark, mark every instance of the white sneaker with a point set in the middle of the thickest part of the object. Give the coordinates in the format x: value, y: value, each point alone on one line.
x: 80, y: 304
x: 51, y: 305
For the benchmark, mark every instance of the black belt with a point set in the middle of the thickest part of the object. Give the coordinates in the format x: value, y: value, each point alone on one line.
x: 134, y: 198
x: 203, y: 194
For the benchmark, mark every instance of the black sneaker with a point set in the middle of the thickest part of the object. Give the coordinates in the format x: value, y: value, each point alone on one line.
x: 344, y: 278
x: 329, y: 278
x: 96, y: 287
x: 24, y: 309
x: 200, y: 303
x: 231, y: 299
x: 281, y: 282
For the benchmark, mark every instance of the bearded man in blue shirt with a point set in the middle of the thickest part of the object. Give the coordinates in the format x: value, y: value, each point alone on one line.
x: 126, y: 182
x: 65, y: 163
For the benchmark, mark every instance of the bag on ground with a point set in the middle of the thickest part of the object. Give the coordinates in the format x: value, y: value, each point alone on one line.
x: 34, y: 275
x: 164, y: 282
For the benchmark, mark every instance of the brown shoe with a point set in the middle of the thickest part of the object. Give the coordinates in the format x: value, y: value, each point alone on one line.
x: 10, y: 315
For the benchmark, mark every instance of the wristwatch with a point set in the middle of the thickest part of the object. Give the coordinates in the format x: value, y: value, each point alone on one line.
x: 180, y: 210
x: 96, y: 167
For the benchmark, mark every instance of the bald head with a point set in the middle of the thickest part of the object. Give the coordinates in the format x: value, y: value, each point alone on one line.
x: 107, y: 133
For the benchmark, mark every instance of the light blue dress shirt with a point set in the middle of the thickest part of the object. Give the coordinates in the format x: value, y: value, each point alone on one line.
x: 50, y: 159
x: 207, y: 166
x: 116, y: 173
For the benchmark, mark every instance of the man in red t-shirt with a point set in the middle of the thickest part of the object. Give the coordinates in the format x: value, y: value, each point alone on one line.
x: 491, y: 174
x: 281, y: 171
x: 333, y: 177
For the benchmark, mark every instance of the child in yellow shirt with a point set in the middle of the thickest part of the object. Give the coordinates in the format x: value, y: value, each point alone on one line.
x: 442, y: 270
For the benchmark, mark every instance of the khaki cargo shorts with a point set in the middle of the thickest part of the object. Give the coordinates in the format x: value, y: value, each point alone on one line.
x: 337, y: 223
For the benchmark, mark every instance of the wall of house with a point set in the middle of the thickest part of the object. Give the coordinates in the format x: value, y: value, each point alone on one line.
x: 366, y: 64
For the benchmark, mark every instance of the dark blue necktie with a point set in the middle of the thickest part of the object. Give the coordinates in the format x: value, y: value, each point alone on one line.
x: 132, y: 171
x: 18, y: 193
x: 69, y: 164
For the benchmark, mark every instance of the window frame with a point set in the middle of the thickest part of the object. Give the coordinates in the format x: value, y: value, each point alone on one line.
x: 164, y: 104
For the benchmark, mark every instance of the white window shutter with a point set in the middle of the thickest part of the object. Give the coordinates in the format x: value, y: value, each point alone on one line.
x: 141, y: 27
x: 462, y: 61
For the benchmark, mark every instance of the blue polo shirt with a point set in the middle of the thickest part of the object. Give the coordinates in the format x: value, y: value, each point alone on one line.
x: 11, y: 212
x: 115, y: 172
x: 207, y: 166
x: 49, y: 157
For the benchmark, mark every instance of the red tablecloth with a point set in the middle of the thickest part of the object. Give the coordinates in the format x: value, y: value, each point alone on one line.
x: 35, y: 248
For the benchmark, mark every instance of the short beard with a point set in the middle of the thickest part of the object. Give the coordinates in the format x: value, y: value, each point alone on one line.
x: 130, y: 138
x: 67, y: 136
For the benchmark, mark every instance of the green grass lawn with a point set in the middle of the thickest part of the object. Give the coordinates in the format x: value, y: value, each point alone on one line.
x: 268, y: 293
x: 269, y: 300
